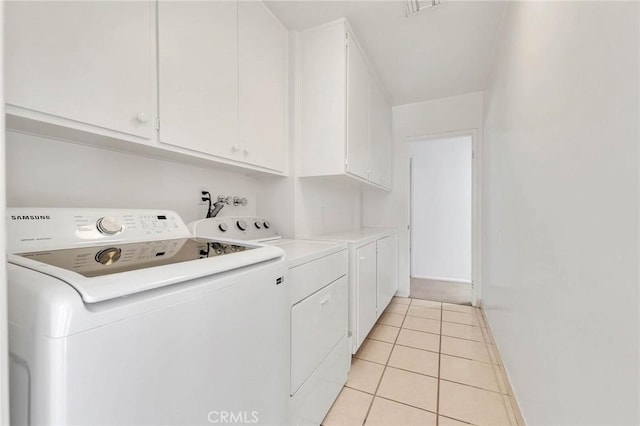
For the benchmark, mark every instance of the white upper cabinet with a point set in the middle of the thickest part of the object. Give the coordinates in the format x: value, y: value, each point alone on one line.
x: 262, y: 48
x: 198, y: 76
x: 344, y: 116
x: 380, y: 137
x: 223, y: 80
x: 196, y: 81
x: 81, y: 62
x: 358, y: 99
x: 322, y: 115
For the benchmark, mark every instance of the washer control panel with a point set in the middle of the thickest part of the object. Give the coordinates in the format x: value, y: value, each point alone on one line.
x: 237, y: 228
x: 44, y: 228
x: 109, y: 225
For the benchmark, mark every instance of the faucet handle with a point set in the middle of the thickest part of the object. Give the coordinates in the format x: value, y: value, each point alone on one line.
x: 239, y: 201
x: 227, y: 200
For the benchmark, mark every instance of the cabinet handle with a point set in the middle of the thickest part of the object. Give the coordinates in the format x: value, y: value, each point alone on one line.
x: 235, y: 148
x: 142, y: 117
x: 245, y: 151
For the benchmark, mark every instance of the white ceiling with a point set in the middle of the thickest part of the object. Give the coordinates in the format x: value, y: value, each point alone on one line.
x: 441, y: 52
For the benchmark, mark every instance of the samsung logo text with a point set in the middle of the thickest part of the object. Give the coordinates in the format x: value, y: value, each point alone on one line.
x: 30, y: 217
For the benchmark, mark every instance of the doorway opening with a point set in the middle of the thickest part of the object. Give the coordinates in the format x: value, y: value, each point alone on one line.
x: 442, y: 187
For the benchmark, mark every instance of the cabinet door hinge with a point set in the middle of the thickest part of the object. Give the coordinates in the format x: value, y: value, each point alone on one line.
x: 157, y: 124
x: 473, y: 155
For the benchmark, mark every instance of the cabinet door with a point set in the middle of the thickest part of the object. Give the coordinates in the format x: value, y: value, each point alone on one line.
x: 322, y: 93
x: 357, y: 112
x: 365, y: 291
x: 198, y: 75
x: 91, y: 62
x: 387, y: 271
x: 262, y: 49
x: 380, y: 137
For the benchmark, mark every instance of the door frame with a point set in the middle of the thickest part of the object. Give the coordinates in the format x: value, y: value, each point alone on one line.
x: 476, y: 203
x: 4, y: 327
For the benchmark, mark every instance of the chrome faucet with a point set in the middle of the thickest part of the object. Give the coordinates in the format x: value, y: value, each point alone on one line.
x: 215, y: 208
x: 218, y: 205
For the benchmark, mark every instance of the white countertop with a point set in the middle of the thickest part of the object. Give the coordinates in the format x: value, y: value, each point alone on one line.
x: 298, y: 252
x: 357, y: 236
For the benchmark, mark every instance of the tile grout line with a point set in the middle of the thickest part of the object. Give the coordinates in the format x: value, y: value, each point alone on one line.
x: 458, y: 420
x: 439, y: 366
x: 426, y: 375
x: 498, y: 392
x: 505, y: 396
x: 375, y: 392
x: 406, y: 404
x: 473, y: 386
x: 497, y: 370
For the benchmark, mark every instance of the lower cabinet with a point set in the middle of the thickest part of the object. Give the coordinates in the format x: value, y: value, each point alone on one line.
x: 366, y: 280
x: 374, y: 283
x: 386, y: 271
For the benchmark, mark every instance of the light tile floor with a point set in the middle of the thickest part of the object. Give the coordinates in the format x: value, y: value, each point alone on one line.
x: 427, y: 363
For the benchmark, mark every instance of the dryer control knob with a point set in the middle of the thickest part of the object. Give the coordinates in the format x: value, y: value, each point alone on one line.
x: 241, y: 224
x: 223, y: 227
x: 266, y: 225
x: 258, y: 224
x: 109, y: 225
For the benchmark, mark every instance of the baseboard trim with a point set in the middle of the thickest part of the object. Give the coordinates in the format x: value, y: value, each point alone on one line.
x: 453, y: 280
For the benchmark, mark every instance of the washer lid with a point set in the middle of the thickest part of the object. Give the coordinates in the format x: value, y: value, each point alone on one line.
x: 105, y: 272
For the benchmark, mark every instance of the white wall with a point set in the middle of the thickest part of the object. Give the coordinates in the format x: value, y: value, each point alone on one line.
x: 45, y: 172
x: 561, y: 280
x: 441, y: 209
x: 4, y: 346
x: 301, y: 208
x: 439, y: 116
x: 324, y: 206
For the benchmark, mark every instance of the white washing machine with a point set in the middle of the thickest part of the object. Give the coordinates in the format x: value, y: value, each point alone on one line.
x: 122, y: 317
x: 318, y: 297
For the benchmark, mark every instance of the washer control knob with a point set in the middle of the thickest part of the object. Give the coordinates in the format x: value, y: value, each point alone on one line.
x: 108, y: 256
x: 223, y: 227
x: 266, y: 225
x: 241, y: 224
x: 109, y: 225
x: 258, y: 224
